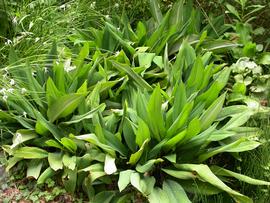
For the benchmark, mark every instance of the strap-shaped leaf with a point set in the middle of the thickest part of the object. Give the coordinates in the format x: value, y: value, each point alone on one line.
x: 175, y: 192
x: 139, y: 80
x: 204, y: 172
x: 155, y: 115
x: 134, y: 158
x: 55, y: 161
x: 227, y: 173
x: 210, y: 115
x: 155, y: 10
x: 88, y: 115
x: 30, y: 153
x: 64, y: 106
x: 124, y: 179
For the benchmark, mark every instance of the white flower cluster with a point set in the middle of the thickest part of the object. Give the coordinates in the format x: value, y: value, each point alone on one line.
x: 93, y: 5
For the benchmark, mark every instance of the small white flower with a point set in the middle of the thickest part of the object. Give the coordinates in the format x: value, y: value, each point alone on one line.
x: 46, y: 70
x: 24, y: 114
x: 8, y: 42
x: 37, y: 39
x: 18, y: 135
x: 116, y: 5
x: 5, y: 97
x: 30, y: 25
x: 63, y: 7
x: 23, y: 90
x: 14, y: 20
x: 34, y: 73
x: 93, y: 5
x: 118, y: 28
x: 107, y: 17
x: 117, y: 53
x: 3, y: 91
x: 10, y: 90
x: 12, y: 82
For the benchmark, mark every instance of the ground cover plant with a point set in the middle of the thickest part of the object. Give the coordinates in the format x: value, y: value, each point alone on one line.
x: 130, y: 114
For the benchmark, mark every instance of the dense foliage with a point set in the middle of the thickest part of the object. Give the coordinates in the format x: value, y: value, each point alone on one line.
x: 156, y: 109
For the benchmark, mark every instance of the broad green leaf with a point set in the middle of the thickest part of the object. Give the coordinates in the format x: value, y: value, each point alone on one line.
x: 109, y: 165
x: 52, y: 92
x: 139, y: 80
x: 233, y: 11
x: 171, y: 158
x: 22, y: 136
x: 92, y: 138
x: 148, y: 165
x: 194, y: 128
x: 88, y: 115
x: 227, y: 173
x: 30, y: 153
x: 142, y: 133
x: 196, y: 76
x: 41, y: 129
x: 69, y: 179
x: 104, y: 197
x: 158, y: 196
x: 60, y: 80
x: 129, y: 134
x: 12, y: 162
x: 180, y: 120
x: 124, y: 179
x: 64, y: 106
x: 180, y: 100
x: 228, y: 111
x: 51, y: 127
x: 114, y: 141
x: 155, y: 39
x: 175, y: 192
x: 144, y: 185
x: 69, y: 161
x: 172, y: 142
x: 145, y: 59
x: 204, y: 172
x: 240, y: 145
x: 82, y: 55
x: 155, y: 116
x: 49, y: 172
x: 237, y: 120
x: 55, y: 161
x: 200, y: 187
x: 210, y: 115
x: 134, y: 158
x: 183, y: 175
x: 54, y: 143
x: 69, y: 144
x: 155, y: 10
x: 34, y: 168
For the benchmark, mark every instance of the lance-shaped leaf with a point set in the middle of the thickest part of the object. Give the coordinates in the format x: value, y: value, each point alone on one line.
x: 155, y: 116
x: 124, y: 179
x: 64, y: 106
x: 210, y: 115
x: 30, y: 153
x: 138, y: 79
x: 204, y: 172
x: 55, y: 161
x: 134, y: 158
x: 240, y: 145
x: 227, y: 173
